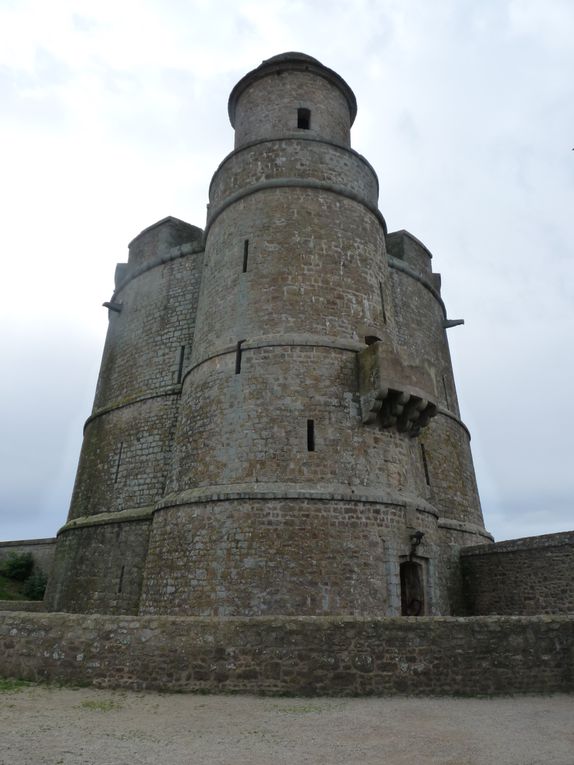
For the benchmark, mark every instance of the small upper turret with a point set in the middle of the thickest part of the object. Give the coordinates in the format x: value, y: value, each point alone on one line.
x: 292, y: 95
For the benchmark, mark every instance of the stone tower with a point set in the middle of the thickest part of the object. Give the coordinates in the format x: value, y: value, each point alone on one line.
x: 276, y: 428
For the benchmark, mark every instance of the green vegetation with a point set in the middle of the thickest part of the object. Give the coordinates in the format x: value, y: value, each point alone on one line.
x: 10, y: 685
x: 35, y: 585
x: 17, y: 566
x: 19, y: 580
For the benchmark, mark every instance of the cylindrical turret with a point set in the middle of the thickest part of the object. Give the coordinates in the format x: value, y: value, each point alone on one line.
x: 290, y: 93
x: 126, y: 451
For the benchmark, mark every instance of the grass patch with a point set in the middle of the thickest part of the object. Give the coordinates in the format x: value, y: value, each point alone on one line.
x: 106, y: 705
x: 10, y: 685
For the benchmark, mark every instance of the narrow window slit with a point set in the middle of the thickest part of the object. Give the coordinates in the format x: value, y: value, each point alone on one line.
x: 382, y: 294
x: 245, y: 255
x: 238, y: 353
x: 121, y: 582
x: 425, y: 464
x: 310, y: 435
x: 119, y: 462
x: 180, y: 363
x: 304, y: 119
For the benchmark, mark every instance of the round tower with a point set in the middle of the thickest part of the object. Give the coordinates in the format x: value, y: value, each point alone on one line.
x: 297, y: 484
x: 101, y: 550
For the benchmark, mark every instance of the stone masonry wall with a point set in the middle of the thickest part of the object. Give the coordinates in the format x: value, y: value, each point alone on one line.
x: 268, y: 108
x: 99, y: 568
x: 534, y: 575
x: 451, y: 483
x: 249, y: 556
x: 22, y: 605
x: 303, y: 159
x: 42, y: 550
x: 280, y: 655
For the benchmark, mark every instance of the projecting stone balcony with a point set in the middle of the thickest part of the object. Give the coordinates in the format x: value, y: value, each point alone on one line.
x: 394, y: 394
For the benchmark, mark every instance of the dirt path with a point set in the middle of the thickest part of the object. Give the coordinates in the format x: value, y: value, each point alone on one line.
x: 44, y: 726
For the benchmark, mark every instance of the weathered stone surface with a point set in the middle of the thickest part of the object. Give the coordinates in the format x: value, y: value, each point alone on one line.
x: 41, y: 550
x: 306, y: 655
x: 228, y: 467
x: 534, y: 575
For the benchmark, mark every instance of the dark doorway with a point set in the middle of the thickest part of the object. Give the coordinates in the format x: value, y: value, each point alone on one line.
x: 412, y: 589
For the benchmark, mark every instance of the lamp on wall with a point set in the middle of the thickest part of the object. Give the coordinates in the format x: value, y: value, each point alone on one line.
x: 416, y: 538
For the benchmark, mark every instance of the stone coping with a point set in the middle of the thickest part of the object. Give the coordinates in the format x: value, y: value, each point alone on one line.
x: 28, y: 542
x: 465, y: 527
x: 297, y: 137
x: 277, y: 492
x: 290, y: 183
x: 22, y: 605
x: 560, y: 539
x: 170, y: 390
x: 286, y: 491
x: 102, y: 519
x: 248, y: 491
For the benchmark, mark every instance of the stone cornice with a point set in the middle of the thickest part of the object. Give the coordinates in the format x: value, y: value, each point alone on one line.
x: 291, y: 183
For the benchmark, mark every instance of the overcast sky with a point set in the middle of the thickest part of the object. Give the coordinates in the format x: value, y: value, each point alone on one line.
x: 114, y: 115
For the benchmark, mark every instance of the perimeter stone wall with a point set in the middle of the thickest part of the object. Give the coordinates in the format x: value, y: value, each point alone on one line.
x: 282, y: 655
x: 533, y: 575
x: 22, y: 605
x: 42, y: 550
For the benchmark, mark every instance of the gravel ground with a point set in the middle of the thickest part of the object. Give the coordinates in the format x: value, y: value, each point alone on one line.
x: 40, y: 725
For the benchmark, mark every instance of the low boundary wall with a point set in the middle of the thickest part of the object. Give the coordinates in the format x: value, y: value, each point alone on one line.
x: 22, y: 605
x: 533, y: 575
x: 300, y: 656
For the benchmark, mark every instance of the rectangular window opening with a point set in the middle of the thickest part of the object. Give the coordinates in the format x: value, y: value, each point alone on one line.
x: 238, y: 357
x: 310, y: 435
x: 384, y: 313
x: 180, y: 363
x: 119, y: 462
x: 425, y: 464
x: 304, y: 119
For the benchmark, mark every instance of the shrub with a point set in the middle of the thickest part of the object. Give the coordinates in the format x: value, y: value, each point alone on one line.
x: 17, y: 566
x: 35, y: 585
